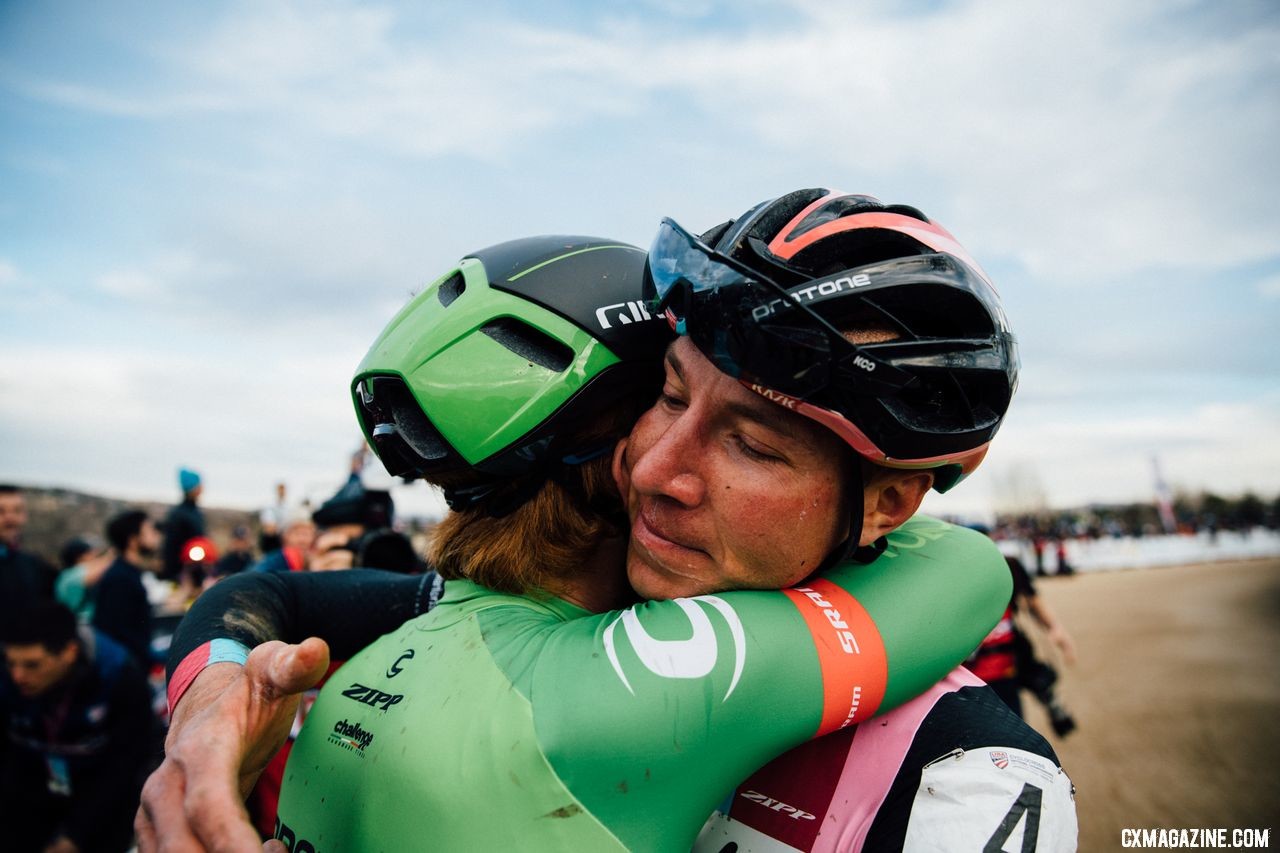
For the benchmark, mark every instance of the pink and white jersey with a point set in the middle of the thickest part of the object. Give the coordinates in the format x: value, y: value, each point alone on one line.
x: 952, y: 769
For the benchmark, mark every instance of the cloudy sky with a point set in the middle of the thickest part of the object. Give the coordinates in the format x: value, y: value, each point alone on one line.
x: 207, y: 211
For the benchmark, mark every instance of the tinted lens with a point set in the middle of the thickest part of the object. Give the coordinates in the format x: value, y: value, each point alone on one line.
x: 751, y: 332
x: 677, y: 258
x: 750, y: 327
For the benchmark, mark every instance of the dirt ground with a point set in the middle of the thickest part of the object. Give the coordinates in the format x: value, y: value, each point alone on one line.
x: 1177, y: 695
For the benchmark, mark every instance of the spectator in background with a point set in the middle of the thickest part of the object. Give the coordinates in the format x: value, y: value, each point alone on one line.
x: 239, y: 555
x: 354, y: 521
x: 25, y: 579
x: 123, y: 611
x: 297, y: 537
x: 273, y: 519
x: 1006, y: 660
x: 84, y: 560
x: 183, y: 523
x: 77, y: 736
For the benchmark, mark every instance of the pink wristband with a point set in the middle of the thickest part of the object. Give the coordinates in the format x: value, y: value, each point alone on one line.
x: 221, y: 650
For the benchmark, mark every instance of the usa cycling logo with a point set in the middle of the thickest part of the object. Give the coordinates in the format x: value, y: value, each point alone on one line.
x: 1000, y: 759
x: 692, y: 658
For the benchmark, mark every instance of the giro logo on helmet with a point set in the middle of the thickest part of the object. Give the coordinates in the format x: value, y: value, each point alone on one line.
x: 810, y: 292
x: 624, y: 313
x: 691, y: 658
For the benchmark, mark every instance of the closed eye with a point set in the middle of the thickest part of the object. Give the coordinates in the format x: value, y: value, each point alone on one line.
x: 755, y: 452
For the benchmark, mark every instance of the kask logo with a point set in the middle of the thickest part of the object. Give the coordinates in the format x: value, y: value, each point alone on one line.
x: 622, y: 314
x: 694, y: 657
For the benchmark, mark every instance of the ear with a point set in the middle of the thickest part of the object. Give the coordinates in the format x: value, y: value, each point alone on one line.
x: 890, y: 499
x: 69, y: 653
x: 621, y: 477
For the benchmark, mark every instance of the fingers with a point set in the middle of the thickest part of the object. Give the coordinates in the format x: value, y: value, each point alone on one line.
x: 278, y: 669
x: 331, y: 552
x: 217, y: 816
x: 189, y: 812
x: 274, y: 846
x: 160, y: 823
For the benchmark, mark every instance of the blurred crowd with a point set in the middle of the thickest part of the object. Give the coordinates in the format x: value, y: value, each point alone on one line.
x: 82, y: 707
x: 82, y: 703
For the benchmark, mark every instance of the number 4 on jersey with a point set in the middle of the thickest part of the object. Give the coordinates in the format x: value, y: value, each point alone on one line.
x: 1028, y: 805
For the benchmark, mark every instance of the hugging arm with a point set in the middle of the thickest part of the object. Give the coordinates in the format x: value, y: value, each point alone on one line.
x: 232, y: 708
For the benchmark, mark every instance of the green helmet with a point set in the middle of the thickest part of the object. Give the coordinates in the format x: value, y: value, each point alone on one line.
x: 491, y: 367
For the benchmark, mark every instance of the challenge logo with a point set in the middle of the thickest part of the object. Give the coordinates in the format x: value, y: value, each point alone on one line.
x: 623, y: 314
x: 691, y: 658
x: 350, y: 737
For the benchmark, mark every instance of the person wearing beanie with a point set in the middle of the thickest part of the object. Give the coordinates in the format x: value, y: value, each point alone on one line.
x: 183, y: 523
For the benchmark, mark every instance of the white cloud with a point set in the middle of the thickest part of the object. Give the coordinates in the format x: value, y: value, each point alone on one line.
x: 1078, y: 138
x: 170, y: 277
x: 1086, y: 144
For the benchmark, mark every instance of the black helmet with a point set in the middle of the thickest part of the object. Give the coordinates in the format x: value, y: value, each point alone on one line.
x: 766, y: 297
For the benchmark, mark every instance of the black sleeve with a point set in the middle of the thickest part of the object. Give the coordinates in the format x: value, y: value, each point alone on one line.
x: 348, y: 610
x: 108, y: 797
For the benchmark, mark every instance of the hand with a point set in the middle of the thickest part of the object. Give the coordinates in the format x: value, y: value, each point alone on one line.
x: 1065, y: 644
x: 331, y: 552
x: 61, y: 844
x: 227, y: 726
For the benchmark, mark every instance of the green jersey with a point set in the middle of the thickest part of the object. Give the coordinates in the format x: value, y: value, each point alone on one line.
x: 501, y: 722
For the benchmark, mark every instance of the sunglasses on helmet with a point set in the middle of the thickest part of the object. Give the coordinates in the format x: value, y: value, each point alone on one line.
x: 758, y: 331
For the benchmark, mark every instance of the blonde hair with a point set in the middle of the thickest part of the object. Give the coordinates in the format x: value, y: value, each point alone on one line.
x: 547, y: 537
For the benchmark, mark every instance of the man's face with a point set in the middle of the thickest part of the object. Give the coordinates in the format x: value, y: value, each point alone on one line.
x: 724, y: 489
x: 148, y: 539
x: 13, y: 518
x: 299, y: 535
x: 34, y: 669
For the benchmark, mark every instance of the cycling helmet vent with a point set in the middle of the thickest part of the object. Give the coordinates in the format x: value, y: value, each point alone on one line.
x: 539, y: 331
x: 821, y: 215
x: 452, y: 289
x: 401, y: 432
x: 529, y: 343
x: 868, y: 246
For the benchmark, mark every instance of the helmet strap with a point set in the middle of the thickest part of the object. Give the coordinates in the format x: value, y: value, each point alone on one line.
x: 850, y: 550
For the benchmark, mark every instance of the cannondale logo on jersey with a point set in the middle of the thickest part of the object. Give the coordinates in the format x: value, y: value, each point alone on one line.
x: 692, y: 658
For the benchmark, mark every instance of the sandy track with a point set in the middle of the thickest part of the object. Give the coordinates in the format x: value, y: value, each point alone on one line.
x: 1177, y: 693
